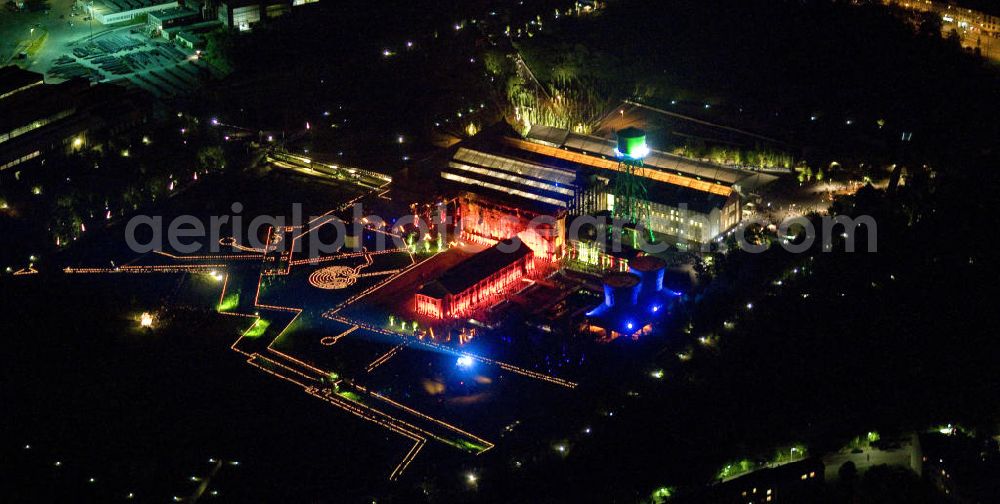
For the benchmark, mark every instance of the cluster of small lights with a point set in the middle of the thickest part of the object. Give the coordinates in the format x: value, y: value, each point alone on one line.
x: 334, y: 277
x: 307, y: 376
x: 169, y: 268
x: 382, y: 359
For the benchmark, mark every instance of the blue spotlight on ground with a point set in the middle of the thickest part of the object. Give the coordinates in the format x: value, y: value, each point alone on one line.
x: 464, y: 361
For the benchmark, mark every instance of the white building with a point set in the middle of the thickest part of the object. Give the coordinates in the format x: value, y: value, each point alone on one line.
x: 117, y: 11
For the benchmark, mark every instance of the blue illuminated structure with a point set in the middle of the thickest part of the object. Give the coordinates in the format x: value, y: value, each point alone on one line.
x: 634, y: 300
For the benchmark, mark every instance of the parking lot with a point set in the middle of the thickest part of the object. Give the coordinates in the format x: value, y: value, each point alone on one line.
x: 154, y: 65
x: 63, y: 43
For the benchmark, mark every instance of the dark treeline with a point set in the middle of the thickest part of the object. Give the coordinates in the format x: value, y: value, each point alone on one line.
x: 771, y: 65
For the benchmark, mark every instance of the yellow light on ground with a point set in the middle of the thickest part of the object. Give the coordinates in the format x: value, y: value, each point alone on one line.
x: 146, y: 320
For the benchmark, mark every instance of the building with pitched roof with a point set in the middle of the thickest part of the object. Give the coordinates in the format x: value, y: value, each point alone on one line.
x: 476, y: 282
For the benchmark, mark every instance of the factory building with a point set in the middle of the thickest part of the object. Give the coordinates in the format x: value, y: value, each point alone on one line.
x: 162, y: 20
x: 529, y: 193
x: 489, y: 220
x: 476, y: 282
x: 243, y: 14
x: 689, y: 201
x: 800, y: 481
x: 502, y: 198
x: 13, y: 80
x: 117, y: 11
x: 37, y: 119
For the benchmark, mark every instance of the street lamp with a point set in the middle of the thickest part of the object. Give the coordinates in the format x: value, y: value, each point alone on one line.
x: 90, y: 18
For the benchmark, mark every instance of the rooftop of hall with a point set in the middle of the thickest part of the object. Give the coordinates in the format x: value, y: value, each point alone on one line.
x: 477, y: 268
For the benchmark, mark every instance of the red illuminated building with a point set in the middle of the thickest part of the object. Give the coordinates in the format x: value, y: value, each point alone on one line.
x: 477, y: 282
x: 488, y: 220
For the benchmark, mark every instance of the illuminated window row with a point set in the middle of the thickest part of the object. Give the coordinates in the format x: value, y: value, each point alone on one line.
x: 26, y: 157
x: 16, y: 132
x: 498, y: 187
x: 513, y: 165
x: 512, y: 178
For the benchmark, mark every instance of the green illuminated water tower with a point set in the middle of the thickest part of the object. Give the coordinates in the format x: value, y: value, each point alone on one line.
x: 631, y: 202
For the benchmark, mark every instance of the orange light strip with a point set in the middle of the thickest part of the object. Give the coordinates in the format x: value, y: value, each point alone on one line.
x: 222, y: 295
x: 384, y: 357
x: 393, y: 424
x: 341, y: 335
x: 596, y: 162
x: 303, y: 378
x: 357, y: 410
x: 344, y: 255
x: 145, y: 269
x: 297, y: 361
x: 428, y: 417
x: 407, y: 425
x: 403, y: 464
x: 210, y: 257
x: 268, y: 371
x: 238, y: 340
x: 419, y: 441
x: 437, y: 346
x: 276, y: 363
x: 329, y: 313
x: 508, y: 367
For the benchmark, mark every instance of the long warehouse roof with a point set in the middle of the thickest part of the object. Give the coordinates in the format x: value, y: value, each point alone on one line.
x: 543, y: 184
x: 612, y: 164
x: 700, y: 170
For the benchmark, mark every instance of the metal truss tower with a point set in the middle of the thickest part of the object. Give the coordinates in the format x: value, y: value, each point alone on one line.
x: 631, y: 201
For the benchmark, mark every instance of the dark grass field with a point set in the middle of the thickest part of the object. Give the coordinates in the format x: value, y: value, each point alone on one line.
x: 143, y: 410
